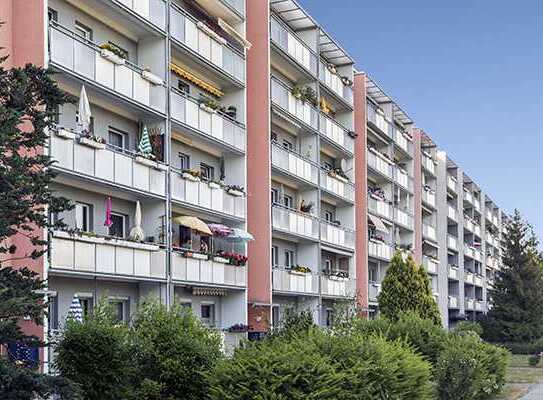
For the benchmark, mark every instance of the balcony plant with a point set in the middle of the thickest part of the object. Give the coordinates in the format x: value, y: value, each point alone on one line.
x: 352, y: 134
x: 338, y: 174
x: 238, y: 328
x: 236, y: 259
x: 215, y: 183
x: 208, y: 104
x: 297, y: 92
x: 310, y: 95
x: 191, y: 175
x: 302, y: 269
x: 112, y: 53
x: 338, y: 275
x: 306, y: 207
x: 231, y: 111
x: 346, y: 81
x: 65, y: 133
x: 90, y: 140
x: 235, y: 190
x: 219, y: 258
x: 150, y: 77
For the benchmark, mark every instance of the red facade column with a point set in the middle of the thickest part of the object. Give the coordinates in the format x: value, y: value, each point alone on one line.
x: 361, y: 190
x: 258, y: 166
x: 417, y: 188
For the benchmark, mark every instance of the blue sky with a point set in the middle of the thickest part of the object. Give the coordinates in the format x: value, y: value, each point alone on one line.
x: 470, y: 73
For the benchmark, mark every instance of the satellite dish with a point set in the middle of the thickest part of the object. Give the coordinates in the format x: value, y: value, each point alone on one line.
x: 343, y: 165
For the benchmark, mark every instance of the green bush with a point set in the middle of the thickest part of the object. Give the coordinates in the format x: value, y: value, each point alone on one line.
x: 294, y: 323
x: 468, y: 326
x: 525, y: 348
x: 534, y: 359
x: 172, y: 352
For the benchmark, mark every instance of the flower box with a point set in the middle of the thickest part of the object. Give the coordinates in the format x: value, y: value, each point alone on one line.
x: 214, y: 185
x: 207, y: 108
x: 293, y: 272
x: 114, y: 58
x: 340, y: 178
x: 65, y: 134
x: 150, y: 163
x: 235, y: 193
x: 221, y: 260
x: 337, y: 278
x: 200, y: 256
x: 190, y: 177
x: 92, y: 143
x: 155, y: 80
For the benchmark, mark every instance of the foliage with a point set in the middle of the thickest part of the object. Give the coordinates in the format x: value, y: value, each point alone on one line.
x: 294, y: 323
x: 96, y: 355
x: 534, y: 359
x: 517, y: 294
x: 406, y: 287
x: 524, y: 348
x: 468, y: 326
x: 172, y: 351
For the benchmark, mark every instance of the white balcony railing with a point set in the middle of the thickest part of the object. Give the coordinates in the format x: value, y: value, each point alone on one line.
x: 451, y: 212
x: 153, y: 11
x: 335, y: 84
x: 337, y: 235
x: 403, y: 141
x: 337, y: 287
x: 197, y: 37
x: 430, y: 264
x: 429, y: 197
x: 453, y: 302
x: 403, y: 218
x: 294, y: 164
x: 469, y: 277
x: 373, y: 291
x: 403, y: 179
x: 428, y: 164
x: 82, y: 57
x: 477, y: 229
x: 200, y: 194
x: 378, y: 119
x: 339, y: 187
x: 110, y: 165
x: 470, y: 304
x: 468, y: 196
x: 478, y: 280
x: 477, y: 204
x: 295, y: 222
x: 468, y: 224
x: 451, y: 183
x: 380, y: 207
x: 379, y: 249
x: 287, y: 41
x: 452, y: 242
x: 207, y: 271
x: 282, y: 96
x: 469, y: 251
x: 429, y: 232
x: 380, y: 163
x: 479, y: 305
x: 295, y: 282
x: 213, y: 125
x: 98, y: 255
x: 453, y: 272
x: 336, y: 133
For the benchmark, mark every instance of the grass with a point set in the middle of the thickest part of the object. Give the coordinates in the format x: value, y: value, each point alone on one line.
x: 520, y: 375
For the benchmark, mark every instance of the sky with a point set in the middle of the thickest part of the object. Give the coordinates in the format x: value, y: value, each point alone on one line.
x: 468, y: 72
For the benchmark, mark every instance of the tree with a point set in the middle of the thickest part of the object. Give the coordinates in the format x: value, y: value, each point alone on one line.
x: 28, y: 100
x: 517, y: 294
x: 406, y: 287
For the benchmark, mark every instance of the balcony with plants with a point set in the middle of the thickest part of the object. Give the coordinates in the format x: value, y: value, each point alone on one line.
x: 380, y: 161
x: 337, y: 81
x: 298, y: 102
x: 336, y: 228
x: 336, y: 178
x: 302, y: 222
x: 338, y: 277
x: 379, y: 121
x: 379, y: 202
x: 336, y: 126
x: 380, y: 242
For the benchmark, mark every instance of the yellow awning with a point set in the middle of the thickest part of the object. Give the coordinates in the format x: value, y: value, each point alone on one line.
x: 183, y: 73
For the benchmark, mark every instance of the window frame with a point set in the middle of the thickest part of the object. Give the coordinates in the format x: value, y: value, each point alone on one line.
x: 79, y: 26
x: 124, y: 135
x: 207, y: 172
x: 124, y: 302
x: 290, y: 258
x: 183, y: 157
x: 288, y: 201
x: 275, y: 256
x: 210, y: 320
x: 274, y: 195
x: 88, y: 214
x: 124, y: 224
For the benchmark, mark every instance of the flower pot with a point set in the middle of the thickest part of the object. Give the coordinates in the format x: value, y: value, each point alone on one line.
x: 207, y: 108
x: 214, y: 185
x: 235, y: 193
x: 150, y: 163
x: 221, y: 260
x: 155, y: 80
x: 199, y: 256
x: 114, y: 58
x: 65, y: 134
x: 189, y: 177
x: 292, y: 272
x: 92, y: 143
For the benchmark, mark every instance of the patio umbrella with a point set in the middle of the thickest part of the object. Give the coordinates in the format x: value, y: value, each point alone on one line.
x: 136, y: 233
x: 84, y: 112
x: 145, y: 143
x: 108, y: 222
x: 239, y: 235
x: 193, y: 223
x: 220, y: 230
x: 76, y: 312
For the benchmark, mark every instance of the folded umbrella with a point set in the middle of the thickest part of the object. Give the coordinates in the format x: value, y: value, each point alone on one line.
x: 136, y: 233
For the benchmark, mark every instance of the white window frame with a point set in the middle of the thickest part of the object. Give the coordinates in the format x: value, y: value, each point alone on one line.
x: 290, y: 258
x: 80, y: 28
x: 275, y: 255
x: 184, y: 158
x: 125, y: 304
x: 125, y: 222
x: 288, y: 201
x: 123, y: 135
x: 86, y: 211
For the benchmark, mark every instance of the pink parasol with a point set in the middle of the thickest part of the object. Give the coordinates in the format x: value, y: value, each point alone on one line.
x: 108, y: 222
x: 220, y: 230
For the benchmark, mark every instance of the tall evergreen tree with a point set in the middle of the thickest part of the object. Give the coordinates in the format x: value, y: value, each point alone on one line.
x: 516, y: 298
x: 406, y: 288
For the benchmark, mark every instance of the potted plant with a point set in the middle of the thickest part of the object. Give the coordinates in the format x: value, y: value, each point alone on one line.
x: 339, y: 175
x: 191, y: 175
x: 235, y: 190
x: 352, y: 134
x: 65, y: 133
x: 208, y: 104
x: 297, y: 92
x: 200, y: 256
x: 150, y: 77
x: 306, y: 207
x: 309, y: 94
x: 90, y: 140
x: 218, y: 258
x: 232, y: 112
x: 332, y: 68
x: 237, y: 328
x: 112, y: 53
x: 214, y: 184
x: 300, y: 270
x: 346, y: 81
x: 236, y: 259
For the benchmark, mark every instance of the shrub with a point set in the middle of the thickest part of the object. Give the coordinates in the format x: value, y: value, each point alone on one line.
x: 534, y: 359
x: 294, y: 323
x: 524, y: 348
x: 468, y: 326
x: 172, y: 351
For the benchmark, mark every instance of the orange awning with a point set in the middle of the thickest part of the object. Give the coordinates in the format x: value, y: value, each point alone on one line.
x: 189, y: 76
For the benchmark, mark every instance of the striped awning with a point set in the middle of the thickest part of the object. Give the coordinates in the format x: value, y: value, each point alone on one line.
x: 189, y: 76
x: 379, y: 225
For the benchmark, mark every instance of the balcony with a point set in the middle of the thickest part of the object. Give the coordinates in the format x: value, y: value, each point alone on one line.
x: 373, y: 291
x: 287, y: 281
x: 295, y: 222
x: 380, y: 249
x: 298, y: 51
x: 195, y: 37
x: 403, y: 141
x: 478, y: 280
x: 430, y: 264
x: 70, y: 52
x: 334, y: 83
x: 294, y: 164
x: 429, y: 232
x: 200, y: 194
x: 429, y: 197
x: 428, y: 164
x: 453, y: 273
x: 302, y: 111
x: 403, y: 218
x: 451, y: 212
x: 106, y: 163
x: 403, y: 179
x: 153, y: 11
x: 491, y: 261
x: 476, y: 229
x: 479, y: 305
x: 201, y: 269
x: 468, y: 197
x: 338, y: 186
x: 215, y: 127
x: 379, y: 163
x: 332, y: 286
x: 469, y: 277
x: 477, y: 204
x: 337, y: 235
x: 107, y: 256
x: 452, y: 242
x: 453, y: 302
x: 336, y: 133
x: 451, y: 183
x: 376, y: 117
x: 470, y: 304
x: 468, y: 224
x: 379, y: 207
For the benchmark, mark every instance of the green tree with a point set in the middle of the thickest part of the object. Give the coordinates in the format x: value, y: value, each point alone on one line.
x: 516, y: 314
x: 406, y: 287
x: 28, y: 100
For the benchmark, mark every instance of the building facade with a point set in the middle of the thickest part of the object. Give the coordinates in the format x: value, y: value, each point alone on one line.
x: 280, y: 177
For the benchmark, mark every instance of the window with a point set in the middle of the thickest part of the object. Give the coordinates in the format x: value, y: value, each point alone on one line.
x: 207, y: 172
x: 275, y: 256
x: 186, y: 304
x: 52, y: 313
x: 82, y: 30
x: 288, y: 145
x: 119, y: 224
x: 288, y: 201
x: 52, y: 14
x: 328, y: 166
x: 117, y: 138
x: 122, y: 52
x: 329, y: 216
x: 121, y: 309
x: 275, y: 316
x: 183, y: 86
x: 329, y: 265
x: 83, y: 217
x: 372, y: 273
x: 86, y: 305
x: 274, y: 196
x: 329, y: 317
x: 185, y: 237
x: 289, y: 259
x: 207, y: 313
x: 184, y: 161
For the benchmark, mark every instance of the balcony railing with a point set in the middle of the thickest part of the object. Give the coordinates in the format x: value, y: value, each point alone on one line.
x: 403, y: 141
x: 379, y: 249
x: 115, y: 166
x: 98, y: 255
x: 477, y: 204
x: 295, y: 282
x: 403, y: 218
x: 429, y: 232
x: 451, y: 212
x: 206, y: 271
x: 378, y: 119
x: 380, y: 207
x: 469, y: 277
x: 336, y: 133
x: 479, y: 305
x: 373, y: 291
x: 295, y: 222
x: 294, y: 164
x: 403, y: 179
x: 303, y: 111
x: 429, y: 197
x: 287, y: 41
x: 214, y: 125
x: 83, y: 57
x: 335, y: 84
x: 379, y: 163
x: 428, y: 164
x: 197, y: 37
x: 468, y: 224
x: 337, y: 287
x: 453, y: 302
x: 453, y: 272
x: 153, y: 11
x: 451, y: 183
x: 468, y: 196
x: 430, y: 264
x: 337, y: 235
x: 201, y: 194
x: 343, y: 189
x: 452, y: 242
x: 478, y: 280
x: 476, y: 229
x: 470, y: 304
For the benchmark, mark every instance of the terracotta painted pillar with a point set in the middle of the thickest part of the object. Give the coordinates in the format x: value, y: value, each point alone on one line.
x: 417, y: 188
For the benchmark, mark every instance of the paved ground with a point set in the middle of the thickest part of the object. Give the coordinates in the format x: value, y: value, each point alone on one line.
x: 535, y: 393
